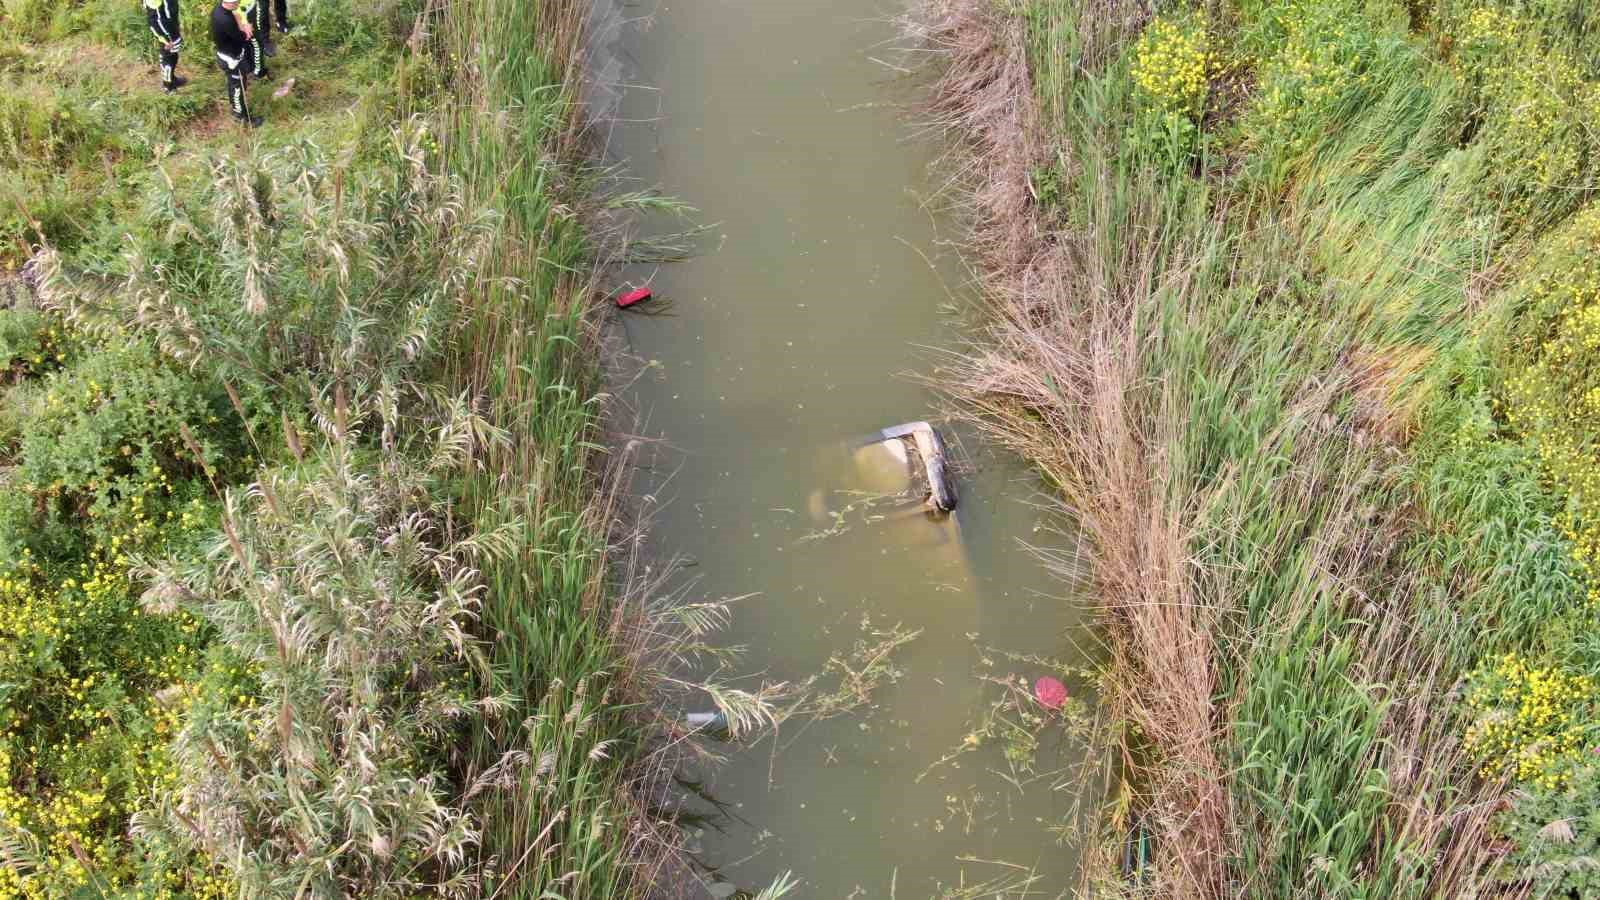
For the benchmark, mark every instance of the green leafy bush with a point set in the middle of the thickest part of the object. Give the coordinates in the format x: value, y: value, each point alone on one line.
x: 100, y: 470
x: 50, y: 131
x: 117, y: 413
x: 295, y: 271
x: 348, y: 596
x: 1554, y: 835
x: 339, y: 24
x: 1172, y: 67
x: 32, y: 342
x: 36, y: 20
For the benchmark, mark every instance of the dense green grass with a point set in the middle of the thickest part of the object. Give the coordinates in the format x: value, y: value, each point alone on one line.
x: 1277, y: 361
x: 83, y: 120
x: 563, y: 829
x: 118, y: 448
x: 330, y: 220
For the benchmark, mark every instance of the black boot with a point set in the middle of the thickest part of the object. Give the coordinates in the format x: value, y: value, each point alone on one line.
x: 285, y: 27
x: 177, y: 81
x: 269, y: 48
x: 249, y: 122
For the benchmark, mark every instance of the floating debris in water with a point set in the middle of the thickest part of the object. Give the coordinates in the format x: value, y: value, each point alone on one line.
x: 929, y: 445
x: 1050, y: 692
x: 714, y: 721
x: 635, y: 296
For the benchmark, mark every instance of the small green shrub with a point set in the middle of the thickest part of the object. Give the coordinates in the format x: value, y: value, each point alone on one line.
x: 1554, y: 834
x: 112, y: 23
x: 47, y: 131
x: 348, y: 597
x: 32, y: 343
x: 36, y: 20
x: 117, y: 413
x: 1172, y: 67
x: 339, y: 25
x: 295, y: 270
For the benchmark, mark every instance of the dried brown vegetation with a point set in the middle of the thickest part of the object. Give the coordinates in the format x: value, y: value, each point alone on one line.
x: 1058, y: 384
x: 1232, y: 464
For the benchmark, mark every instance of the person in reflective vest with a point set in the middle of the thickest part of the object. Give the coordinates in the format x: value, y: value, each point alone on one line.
x: 231, y: 34
x: 163, y: 18
x: 258, y: 35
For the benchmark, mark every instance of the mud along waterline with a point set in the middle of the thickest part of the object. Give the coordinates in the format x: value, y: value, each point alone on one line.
x: 792, y: 334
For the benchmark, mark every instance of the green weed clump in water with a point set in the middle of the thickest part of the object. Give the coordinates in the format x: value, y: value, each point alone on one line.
x: 1271, y: 380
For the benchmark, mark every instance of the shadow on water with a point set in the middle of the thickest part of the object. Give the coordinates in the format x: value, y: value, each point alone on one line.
x: 820, y: 285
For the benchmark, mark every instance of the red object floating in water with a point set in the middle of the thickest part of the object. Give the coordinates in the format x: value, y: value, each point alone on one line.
x: 632, y: 297
x: 1050, y: 692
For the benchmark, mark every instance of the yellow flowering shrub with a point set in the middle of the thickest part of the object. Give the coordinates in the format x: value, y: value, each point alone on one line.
x: 1540, y: 111
x: 98, y: 689
x: 1171, y: 71
x: 92, y: 687
x: 1551, y: 396
x: 1533, y: 722
x: 1542, y: 140
x: 31, y: 344
x: 1484, y: 40
x: 1315, y: 63
x: 1171, y: 65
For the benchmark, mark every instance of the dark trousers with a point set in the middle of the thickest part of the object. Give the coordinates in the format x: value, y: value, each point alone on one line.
x: 262, y: 23
x: 164, y: 25
x: 169, y: 67
x: 262, y: 19
x: 235, y: 75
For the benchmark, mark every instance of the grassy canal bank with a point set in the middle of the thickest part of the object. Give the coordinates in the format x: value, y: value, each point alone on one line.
x: 1295, y: 303
x: 305, y: 540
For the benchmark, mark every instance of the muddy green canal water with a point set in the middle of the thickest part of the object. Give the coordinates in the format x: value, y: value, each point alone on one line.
x: 795, y: 329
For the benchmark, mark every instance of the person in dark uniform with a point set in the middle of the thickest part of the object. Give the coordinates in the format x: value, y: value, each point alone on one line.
x: 264, y: 18
x: 255, y: 12
x: 231, y: 34
x: 249, y: 16
x: 163, y: 18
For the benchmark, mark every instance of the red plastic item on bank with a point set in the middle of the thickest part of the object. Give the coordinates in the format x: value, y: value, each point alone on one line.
x: 632, y: 297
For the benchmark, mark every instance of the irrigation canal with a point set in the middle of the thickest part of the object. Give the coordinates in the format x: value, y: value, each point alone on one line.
x: 795, y: 330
